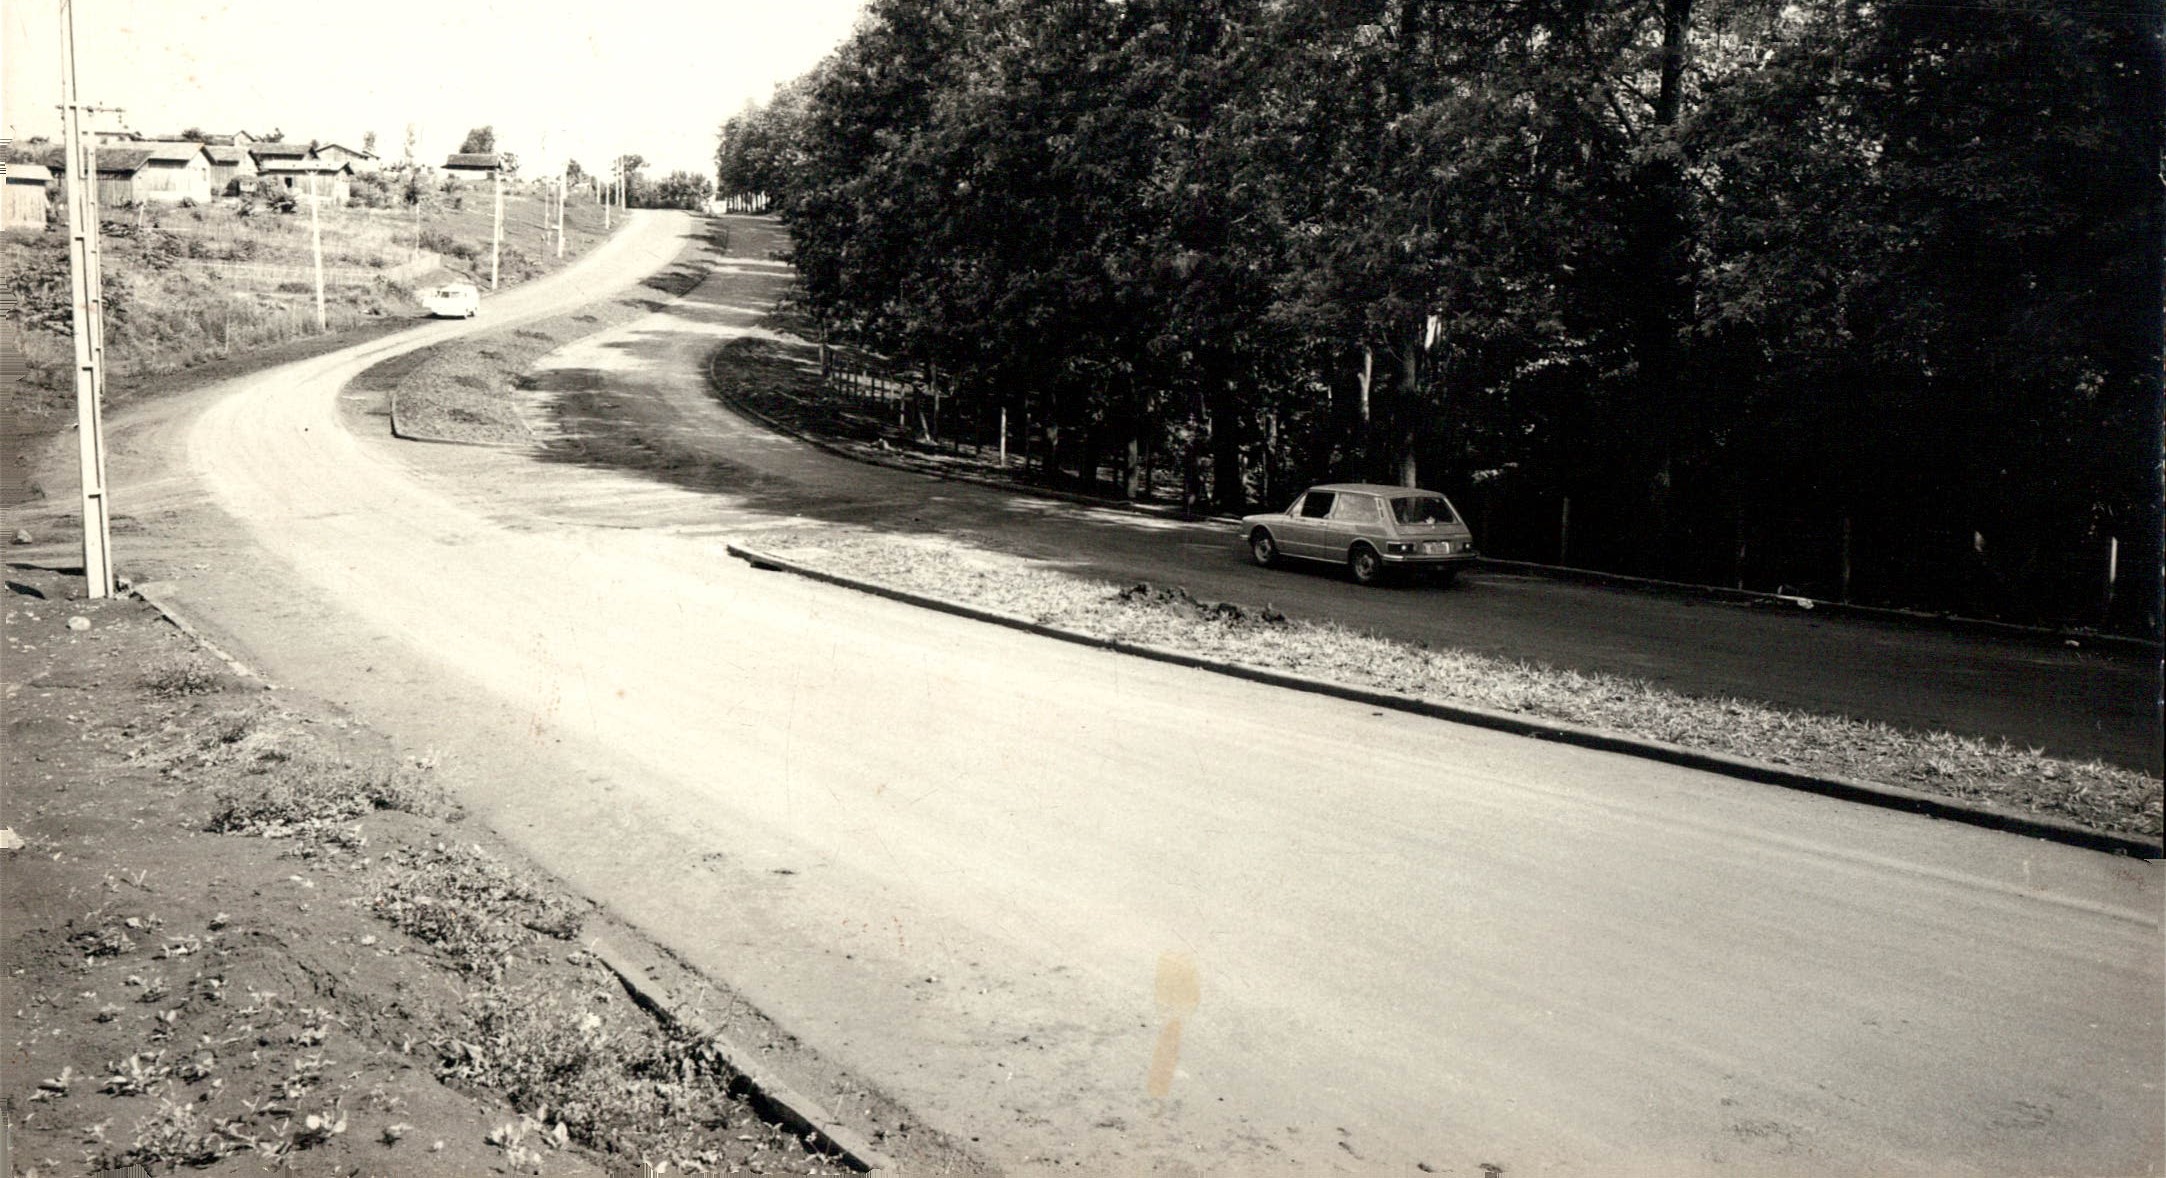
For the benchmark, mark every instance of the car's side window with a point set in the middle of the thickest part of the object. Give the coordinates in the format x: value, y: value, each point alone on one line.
x: 1354, y: 509
x: 1317, y: 504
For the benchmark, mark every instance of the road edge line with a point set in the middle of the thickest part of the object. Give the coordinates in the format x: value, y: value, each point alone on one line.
x: 767, y: 1092
x: 1849, y: 789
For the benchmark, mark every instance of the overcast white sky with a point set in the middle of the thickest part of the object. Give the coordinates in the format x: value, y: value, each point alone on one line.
x: 586, y: 79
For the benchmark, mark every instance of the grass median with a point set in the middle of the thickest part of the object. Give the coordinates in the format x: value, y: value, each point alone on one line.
x: 2092, y: 793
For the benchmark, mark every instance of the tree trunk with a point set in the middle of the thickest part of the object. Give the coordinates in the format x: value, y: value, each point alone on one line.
x: 1228, y: 492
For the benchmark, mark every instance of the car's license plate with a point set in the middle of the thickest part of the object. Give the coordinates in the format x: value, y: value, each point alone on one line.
x: 1436, y: 547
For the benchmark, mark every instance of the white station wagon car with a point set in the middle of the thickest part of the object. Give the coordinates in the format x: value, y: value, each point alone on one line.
x: 453, y: 300
x: 1369, y: 528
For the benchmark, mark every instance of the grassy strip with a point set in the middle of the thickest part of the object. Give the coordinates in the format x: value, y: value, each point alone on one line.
x: 2089, y: 792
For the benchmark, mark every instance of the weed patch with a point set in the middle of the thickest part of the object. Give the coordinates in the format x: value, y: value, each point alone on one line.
x: 471, y: 907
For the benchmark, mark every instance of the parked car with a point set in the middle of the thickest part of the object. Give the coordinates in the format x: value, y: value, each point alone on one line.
x: 1369, y: 528
x: 454, y: 300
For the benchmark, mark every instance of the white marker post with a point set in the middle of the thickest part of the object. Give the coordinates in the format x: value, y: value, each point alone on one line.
x: 86, y: 276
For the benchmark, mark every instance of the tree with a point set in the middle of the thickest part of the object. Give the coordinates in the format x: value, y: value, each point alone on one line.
x: 479, y: 141
x: 409, y: 145
x: 680, y: 190
x: 368, y: 142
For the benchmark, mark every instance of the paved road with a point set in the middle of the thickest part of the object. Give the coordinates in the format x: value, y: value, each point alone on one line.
x: 991, y: 872
x: 2076, y: 703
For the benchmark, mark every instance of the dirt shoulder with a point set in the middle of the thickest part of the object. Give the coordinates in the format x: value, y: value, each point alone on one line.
x: 470, y: 390
x: 241, y: 929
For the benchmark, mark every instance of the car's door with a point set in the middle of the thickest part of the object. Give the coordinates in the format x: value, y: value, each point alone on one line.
x: 1305, y: 522
x: 1354, y: 517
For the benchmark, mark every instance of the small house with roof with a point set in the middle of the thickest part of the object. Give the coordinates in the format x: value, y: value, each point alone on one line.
x: 361, y: 161
x: 474, y: 164
x: 263, y: 152
x: 233, y: 170
x: 145, y: 173
x: 27, y: 198
x: 333, y: 180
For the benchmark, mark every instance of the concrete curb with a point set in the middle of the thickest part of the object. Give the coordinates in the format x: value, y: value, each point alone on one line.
x: 152, y: 595
x: 766, y: 1092
x: 1892, y: 797
x: 2118, y: 643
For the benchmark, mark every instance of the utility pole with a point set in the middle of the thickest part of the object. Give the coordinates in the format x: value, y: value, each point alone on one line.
x: 600, y: 196
x: 315, y: 245
x: 496, y: 234
x: 87, y: 278
x: 564, y: 194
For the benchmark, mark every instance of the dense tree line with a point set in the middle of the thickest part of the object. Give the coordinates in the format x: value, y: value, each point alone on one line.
x: 1855, y: 298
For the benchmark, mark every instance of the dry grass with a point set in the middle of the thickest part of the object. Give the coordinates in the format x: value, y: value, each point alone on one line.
x: 2090, y: 792
x: 185, y: 287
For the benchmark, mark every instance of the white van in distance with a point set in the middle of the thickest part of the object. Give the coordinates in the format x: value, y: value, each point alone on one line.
x: 457, y: 300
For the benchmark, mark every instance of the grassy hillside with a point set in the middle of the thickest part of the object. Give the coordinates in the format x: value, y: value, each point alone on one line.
x: 186, y: 286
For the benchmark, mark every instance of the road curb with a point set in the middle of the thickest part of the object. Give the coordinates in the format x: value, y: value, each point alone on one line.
x: 1870, y: 793
x: 766, y: 1092
x: 2118, y: 643
x: 152, y: 595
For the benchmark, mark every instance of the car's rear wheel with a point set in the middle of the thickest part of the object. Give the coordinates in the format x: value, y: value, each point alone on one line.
x: 1263, y: 548
x: 1365, y: 566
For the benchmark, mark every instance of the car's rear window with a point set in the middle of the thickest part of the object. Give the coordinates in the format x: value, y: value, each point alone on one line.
x: 1421, y: 509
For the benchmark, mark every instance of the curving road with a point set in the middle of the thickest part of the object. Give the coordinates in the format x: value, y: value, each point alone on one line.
x: 1104, y: 916
x: 2074, y: 702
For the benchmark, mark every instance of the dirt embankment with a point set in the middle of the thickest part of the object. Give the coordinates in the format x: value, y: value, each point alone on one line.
x: 240, y: 931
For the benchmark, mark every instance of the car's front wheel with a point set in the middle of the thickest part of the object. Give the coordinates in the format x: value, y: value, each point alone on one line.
x: 1366, y: 567
x: 1263, y: 548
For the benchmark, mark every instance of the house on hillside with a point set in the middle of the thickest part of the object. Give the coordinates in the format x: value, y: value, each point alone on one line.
x: 233, y: 170
x: 147, y: 173
x: 333, y: 180
x: 263, y: 153
x: 240, y: 139
x: 24, y: 203
x: 474, y: 163
x: 362, y: 161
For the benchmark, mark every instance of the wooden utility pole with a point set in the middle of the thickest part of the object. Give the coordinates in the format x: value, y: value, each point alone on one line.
x: 315, y: 245
x: 564, y: 193
x: 496, y: 233
x: 87, y: 279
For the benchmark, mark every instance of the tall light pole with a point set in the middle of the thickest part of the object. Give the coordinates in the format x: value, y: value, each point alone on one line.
x: 496, y: 236
x: 86, y: 277
x: 315, y: 243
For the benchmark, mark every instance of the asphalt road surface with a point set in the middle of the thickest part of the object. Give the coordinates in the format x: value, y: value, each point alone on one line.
x: 1107, y: 916
x: 2073, y: 702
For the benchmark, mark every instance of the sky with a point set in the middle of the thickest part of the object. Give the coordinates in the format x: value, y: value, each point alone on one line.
x: 557, y: 80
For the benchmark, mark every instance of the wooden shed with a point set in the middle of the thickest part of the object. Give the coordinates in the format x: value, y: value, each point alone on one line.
x: 334, y: 180
x: 361, y: 161
x: 153, y: 173
x: 473, y: 163
x: 264, y: 153
x: 27, y: 197
x: 232, y: 169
